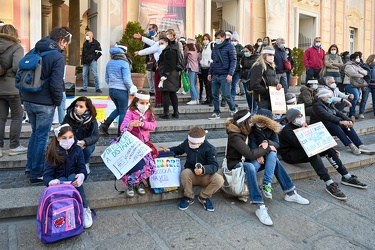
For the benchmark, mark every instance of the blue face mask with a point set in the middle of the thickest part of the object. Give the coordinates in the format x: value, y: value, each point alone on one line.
x: 282, y: 46
x: 218, y: 41
x: 265, y: 42
x: 330, y: 100
x: 315, y: 87
x: 151, y: 33
x: 247, y: 54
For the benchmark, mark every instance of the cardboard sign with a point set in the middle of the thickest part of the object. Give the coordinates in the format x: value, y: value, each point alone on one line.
x: 125, y: 154
x: 277, y: 98
x: 70, y: 74
x: 167, y: 173
x: 300, y: 107
x: 315, y: 138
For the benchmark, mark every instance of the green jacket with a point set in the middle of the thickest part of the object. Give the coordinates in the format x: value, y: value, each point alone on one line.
x: 239, y: 52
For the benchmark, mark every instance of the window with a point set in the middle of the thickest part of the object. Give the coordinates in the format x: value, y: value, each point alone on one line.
x: 352, y: 34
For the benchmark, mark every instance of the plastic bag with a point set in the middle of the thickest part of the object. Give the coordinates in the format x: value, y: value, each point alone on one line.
x: 185, y: 81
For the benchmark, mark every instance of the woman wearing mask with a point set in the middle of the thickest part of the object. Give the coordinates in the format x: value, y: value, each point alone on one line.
x: 205, y: 66
x: 332, y: 64
x: 258, y: 46
x: 353, y: 69
x: 247, y: 62
x: 192, y: 54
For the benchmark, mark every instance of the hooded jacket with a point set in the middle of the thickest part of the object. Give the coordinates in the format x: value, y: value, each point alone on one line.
x: 246, y: 65
x: 53, y: 66
x: 117, y: 74
x: 205, y: 155
x: 167, y: 67
x: 11, y: 52
x: 268, y: 133
x: 306, y: 96
x: 237, y: 147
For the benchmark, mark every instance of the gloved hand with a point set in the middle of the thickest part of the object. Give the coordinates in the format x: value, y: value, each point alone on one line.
x: 133, y: 90
x: 79, y: 179
x: 163, y: 78
x: 54, y: 182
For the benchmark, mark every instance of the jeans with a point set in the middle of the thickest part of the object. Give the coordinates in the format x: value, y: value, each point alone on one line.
x: 269, y: 166
x: 14, y: 103
x: 193, y: 85
x: 120, y: 99
x: 235, y: 79
x: 85, y: 74
x: 40, y: 117
x: 364, y: 98
x: 343, y: 134
x: 283, y: 81
x: 61, y: 109
x: 288, y: 78
x: 373, y: 99
x: 251, y: 102
x: 355, y: 92
x: 80, y: 189
x: 220, y: 81
x: 150, y: 79
x: 87, y: 152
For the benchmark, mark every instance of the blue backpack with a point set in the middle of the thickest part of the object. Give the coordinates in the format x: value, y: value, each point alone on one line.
x: 60, y: 213
x: 30, y: 71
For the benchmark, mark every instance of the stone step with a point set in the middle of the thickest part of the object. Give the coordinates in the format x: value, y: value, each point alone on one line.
x: 19, y: 202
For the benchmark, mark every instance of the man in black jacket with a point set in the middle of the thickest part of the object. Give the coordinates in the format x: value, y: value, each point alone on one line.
x: 91, y: 51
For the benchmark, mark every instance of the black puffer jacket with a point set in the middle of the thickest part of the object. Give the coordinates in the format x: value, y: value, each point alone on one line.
x: 258, y: 76
x: 167, y: 67
x: 324, y: 112
x: 90, y: 51
x: 246, y: 64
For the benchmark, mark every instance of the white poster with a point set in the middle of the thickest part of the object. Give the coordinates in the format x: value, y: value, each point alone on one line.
x: 277, y: 98
x: 315, y: 138
x: 167, y: 173
x: 125, y: 154
x: 300, y: 107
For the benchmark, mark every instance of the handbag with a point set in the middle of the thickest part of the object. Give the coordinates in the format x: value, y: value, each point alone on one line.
x: 151, y: 65
x: 185, y: 81
x: 358, y: 82
x: 287, y: 65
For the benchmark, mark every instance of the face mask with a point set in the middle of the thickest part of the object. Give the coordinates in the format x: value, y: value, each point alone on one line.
x: 79, y: 111
x: 315, y: 87
x: 260, y: 43
x: 298, y: 122
x: 333, y: 52
x: 317, y: 45
x: 194, y: 146
x: 227, y: 37
x: 247, y: 54
x: 329, y: 100
x: 66, y: 144
x: 143, y: 108
x: 162, y: 46
x: 333, y: 86
x: 282, y: 45
x: 358, y: 60
x: 87, y: 38
x: 218, y: 41
x: 151, y: 33
x: 270, y: 58
x: 234, y: 44
x: 287, y: 52
x: 265, y: 42
x: 205, y: 42
x: 259, y: 127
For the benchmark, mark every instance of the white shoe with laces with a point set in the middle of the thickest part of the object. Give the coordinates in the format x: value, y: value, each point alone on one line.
x: 263, y: 216
x: 130, y: 191
x: 296, y: 198
x: 18, y: 150
x: 193, y: 102
x: 141, y: 190
x: 87, y: 218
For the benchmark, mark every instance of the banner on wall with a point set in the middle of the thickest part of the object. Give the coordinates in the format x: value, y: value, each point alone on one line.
x: 166, y: 14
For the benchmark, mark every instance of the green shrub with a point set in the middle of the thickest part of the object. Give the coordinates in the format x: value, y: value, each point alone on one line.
x: 298, y: 67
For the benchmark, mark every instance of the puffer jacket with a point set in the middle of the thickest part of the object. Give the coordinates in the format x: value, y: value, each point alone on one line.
x: 257, y: 78
x: 229, y: 59
x: 268, y: 133
x: 280, y: 57
x: 117, y: 74
x: 237, y: 147
x: 353, y: 69
x: 288, y: 141
x: 11, y: 52
x: 205, y: 155
x: 142, y: 133
x: 326, y: 113
x: 307, y: 96
x: 247, y: 64
x: 74, y: 164
x: 167, y: 67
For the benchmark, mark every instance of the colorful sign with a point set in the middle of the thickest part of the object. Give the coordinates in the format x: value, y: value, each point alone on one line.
x: 167, y: 173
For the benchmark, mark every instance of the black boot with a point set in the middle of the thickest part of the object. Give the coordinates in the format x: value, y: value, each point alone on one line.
x: 105, y: 125
x: 176, y: 115
x: 164, y: 116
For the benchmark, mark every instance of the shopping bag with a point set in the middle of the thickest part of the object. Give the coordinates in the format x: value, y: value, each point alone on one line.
x: 234, y: 181
x: 185, y: 81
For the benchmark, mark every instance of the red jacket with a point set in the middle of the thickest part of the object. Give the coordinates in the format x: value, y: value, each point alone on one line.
x: 314, y: 58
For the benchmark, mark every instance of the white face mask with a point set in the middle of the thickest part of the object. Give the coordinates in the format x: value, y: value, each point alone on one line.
x: 87, y: 38
x: 194, y: 146
x: 333, y: 86
x: 234, y: 43
x: 66, y: 144
x: 358, y: 60
x: 205, y: 42
x: 333, y: 52
x: 270, y: 59
x: 260, y: 43
x: 317, y: 44
x: 298, y: 122
x: 162, y: 46
x: 79, y: 111
x: 143, y: 108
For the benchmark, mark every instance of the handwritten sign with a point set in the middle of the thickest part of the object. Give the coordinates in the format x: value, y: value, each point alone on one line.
x: 315, y: 138
x: 300, y: 107
x: 278, y: 104
x: 124, y: 155
x: 167, y: 173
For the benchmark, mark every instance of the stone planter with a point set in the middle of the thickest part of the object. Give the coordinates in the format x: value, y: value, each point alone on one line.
x: 293, y: 80
x: 138, y: 79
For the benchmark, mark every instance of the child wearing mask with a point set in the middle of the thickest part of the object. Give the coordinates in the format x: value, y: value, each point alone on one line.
x: 139, y: 121
x: 200, y: 169
x: 307, y: 95
x: 65, y: 163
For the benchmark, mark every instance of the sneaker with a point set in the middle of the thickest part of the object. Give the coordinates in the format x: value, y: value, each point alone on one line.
x: 87, y: 165
x: 183, y: 92
x: 87, y: 218
x: 233, y: 112
x: 334, y: 190
x: 263, y: 216
x: 353, y: 182
x: 296, y: 198
x: 361, y: 116
x: 267, y: 190
x: 214, y: 116
x: 99, y: 91
x: 354, y: 149
x: 223, y: 103
x: 185, y: 203
x: 1, y: 152
x: 130, y: 191
x: 18, y: 150
x: 141, y: 189
x: 244, y: 198
x: 36, y: 180
x: 207, y: 204
x: 82, y: 90
x: 193, y: 102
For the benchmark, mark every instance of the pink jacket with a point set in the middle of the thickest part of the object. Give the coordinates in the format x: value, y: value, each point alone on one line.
x: 193, y: 58
x: 133, y: 115
x: 314, y: 58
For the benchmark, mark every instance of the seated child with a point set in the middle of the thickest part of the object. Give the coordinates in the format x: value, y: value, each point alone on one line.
x: 200, y: 169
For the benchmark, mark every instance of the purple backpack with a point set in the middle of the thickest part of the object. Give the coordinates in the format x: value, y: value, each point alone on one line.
x: 60, y: 213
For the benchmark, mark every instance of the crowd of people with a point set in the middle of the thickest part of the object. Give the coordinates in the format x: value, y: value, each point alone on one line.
x: 220, y: 66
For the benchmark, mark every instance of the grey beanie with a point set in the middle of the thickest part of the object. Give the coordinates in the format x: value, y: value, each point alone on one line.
x: 292, y: 114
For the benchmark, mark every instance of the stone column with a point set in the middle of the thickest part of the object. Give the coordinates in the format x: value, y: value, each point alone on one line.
x: 207, y: 17
x: 56, y: 13
x: 46, y: 10
x: 74, y: 24
x: 35, y: 22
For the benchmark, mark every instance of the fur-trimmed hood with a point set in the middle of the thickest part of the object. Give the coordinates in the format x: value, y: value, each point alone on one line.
x: 271, y: 124
x: 231, y: 127
x: 6, y: 41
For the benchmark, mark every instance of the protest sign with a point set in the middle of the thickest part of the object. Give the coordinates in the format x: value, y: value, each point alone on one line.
x: 300, y: 107
x: 167, y: 173
x: 315, y: 138
x: 125, y: 154
x: 277, y: 98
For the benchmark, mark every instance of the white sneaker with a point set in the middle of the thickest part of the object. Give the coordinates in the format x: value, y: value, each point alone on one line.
x: 18, y: 150
x: 130, y: 191
x: 88, y: 168
x: 141, y: 190
x: 214, y: 116
x: 296, y: 198
x: 263, y: 216
x: 361, y: 116
x: 193, y: 102
x: 233, y: 112
x: 87, y: 218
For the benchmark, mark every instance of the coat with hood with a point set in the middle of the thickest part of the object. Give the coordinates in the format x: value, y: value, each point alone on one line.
x: 167, y: 67
x: 268, y: 133
x: 326, y: 113
x: 352, y: 69
x: 237, y: 147
x: 261, y: 78
x: 90, y: 51
x: 205, y: 155
x: 74, y: 164
x: 117, y: 74
x: 11, y: 52
x: 53, y: 66
x: 306, y: 96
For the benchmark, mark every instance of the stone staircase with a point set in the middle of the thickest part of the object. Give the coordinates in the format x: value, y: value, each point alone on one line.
x: 23, y: 200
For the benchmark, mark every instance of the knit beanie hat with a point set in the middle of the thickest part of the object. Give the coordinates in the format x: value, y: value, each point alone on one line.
x: 292, y: 114
x: 290, y: 98
x: 235, y: 36
x: 323, y: 92
x: 265, y: 112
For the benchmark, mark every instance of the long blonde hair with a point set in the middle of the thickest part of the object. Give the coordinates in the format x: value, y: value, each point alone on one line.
x: 261, y: 59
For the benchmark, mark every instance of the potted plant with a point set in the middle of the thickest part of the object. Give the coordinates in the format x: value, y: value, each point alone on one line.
x: 298, y: 67
x: 138, y: 68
